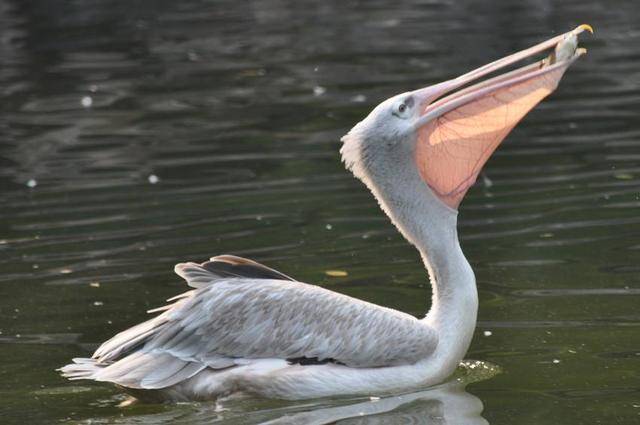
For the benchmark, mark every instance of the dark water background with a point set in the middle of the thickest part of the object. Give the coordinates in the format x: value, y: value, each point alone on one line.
x: 237, y: 109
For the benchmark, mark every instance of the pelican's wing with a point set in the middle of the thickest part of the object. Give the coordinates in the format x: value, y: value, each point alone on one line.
x: 227, y: 321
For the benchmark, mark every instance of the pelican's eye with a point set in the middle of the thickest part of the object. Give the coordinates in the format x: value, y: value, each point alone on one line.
x: 402, y: 108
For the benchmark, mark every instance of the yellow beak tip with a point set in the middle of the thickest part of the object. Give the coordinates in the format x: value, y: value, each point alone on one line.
x: 586, y: 27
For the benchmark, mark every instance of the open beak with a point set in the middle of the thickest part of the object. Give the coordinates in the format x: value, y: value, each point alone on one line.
x: 563, y: 56
x: 459, y: 130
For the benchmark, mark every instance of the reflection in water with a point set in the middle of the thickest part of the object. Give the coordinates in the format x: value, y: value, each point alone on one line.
x: 446, y: 404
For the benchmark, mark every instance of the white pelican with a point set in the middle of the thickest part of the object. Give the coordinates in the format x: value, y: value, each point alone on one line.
x: 248, y: 328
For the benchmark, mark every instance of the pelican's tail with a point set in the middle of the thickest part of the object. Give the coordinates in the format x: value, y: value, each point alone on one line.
x: 81, y: 368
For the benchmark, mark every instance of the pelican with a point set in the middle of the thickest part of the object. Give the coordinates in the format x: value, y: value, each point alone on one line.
x: 246, y: 328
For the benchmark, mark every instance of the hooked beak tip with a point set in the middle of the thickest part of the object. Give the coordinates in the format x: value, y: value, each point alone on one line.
x: 584, y: 27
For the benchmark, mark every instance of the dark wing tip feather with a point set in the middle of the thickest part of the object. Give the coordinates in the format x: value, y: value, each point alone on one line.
x: 225, y: 266
x: 234, y: 266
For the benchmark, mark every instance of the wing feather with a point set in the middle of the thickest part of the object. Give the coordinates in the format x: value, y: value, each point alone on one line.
x: 226, y: 321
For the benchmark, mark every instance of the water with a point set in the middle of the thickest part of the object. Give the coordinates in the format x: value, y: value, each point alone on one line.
x: 135, y: 135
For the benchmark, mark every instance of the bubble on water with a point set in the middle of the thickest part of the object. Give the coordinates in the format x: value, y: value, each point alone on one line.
x: 32, y: 183
x: 86, y: 101
x: 153, y: 179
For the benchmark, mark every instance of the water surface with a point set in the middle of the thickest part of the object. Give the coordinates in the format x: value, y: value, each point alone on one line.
x: 135, y: 135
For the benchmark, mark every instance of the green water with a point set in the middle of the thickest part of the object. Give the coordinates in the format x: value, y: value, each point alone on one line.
x: 237, y: 109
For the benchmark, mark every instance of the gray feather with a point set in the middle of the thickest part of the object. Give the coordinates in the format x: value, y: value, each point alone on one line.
x: 227, y: 320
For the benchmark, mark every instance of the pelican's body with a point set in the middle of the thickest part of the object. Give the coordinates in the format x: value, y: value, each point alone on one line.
x: 248, y: 328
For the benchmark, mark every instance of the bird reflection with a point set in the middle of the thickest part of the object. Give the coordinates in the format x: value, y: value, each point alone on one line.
x: 445, y: 404
x: 448, y: 404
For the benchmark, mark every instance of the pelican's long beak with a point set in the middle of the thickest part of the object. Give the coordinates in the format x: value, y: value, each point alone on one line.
x: 458, y: 130
x: 564, y: 54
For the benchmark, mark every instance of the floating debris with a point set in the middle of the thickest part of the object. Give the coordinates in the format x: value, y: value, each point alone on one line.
x: 487, y: 333
x: 486, y: 181
x: 66, y: 271
x: 193, y: 56
x: 623, y: 176
x: 336, y: 273
x: 556, y: 361
x: 86, y: 101
x: 319, y: 91
x: 94, y: 284
x: 98, y: 303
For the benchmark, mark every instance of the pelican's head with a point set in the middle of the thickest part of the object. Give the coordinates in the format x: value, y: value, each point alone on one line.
x: 447, y: 134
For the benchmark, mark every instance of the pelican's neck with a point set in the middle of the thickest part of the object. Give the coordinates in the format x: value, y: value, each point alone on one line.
x: 431, y: 227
